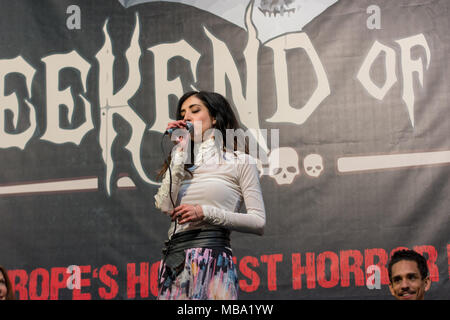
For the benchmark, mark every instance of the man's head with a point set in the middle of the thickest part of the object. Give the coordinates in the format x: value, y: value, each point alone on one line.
x: 408, y: 275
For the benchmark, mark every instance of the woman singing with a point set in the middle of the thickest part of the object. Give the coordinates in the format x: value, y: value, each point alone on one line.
x: 209, y: 185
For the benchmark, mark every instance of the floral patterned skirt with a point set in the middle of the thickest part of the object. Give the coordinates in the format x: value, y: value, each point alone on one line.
x: 208, y: 274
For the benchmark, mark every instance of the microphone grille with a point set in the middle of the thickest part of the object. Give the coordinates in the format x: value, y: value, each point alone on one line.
x: 189, y: 126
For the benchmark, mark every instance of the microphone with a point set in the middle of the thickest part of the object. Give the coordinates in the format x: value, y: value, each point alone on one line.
x: 189, y: 127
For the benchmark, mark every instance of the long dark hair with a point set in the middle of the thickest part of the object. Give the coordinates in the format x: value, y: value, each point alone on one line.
x: 220, y: 109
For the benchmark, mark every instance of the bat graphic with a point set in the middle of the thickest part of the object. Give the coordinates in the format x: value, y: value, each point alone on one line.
x: 274, y: 17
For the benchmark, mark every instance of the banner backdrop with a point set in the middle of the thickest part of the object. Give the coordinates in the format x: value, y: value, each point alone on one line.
x: 348, y: 101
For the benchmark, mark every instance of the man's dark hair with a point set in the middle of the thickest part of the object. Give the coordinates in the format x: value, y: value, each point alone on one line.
x: 410, y: 255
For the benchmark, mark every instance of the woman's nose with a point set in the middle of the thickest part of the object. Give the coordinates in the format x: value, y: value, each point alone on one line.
x: 187, y: 117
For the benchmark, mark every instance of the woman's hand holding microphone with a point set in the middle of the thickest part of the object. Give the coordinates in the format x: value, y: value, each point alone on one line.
x: 181, y: 138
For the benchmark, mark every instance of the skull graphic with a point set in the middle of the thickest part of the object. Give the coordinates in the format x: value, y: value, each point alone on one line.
x: 283, y: 165
x: 280, y: 7
x: 313, y: 164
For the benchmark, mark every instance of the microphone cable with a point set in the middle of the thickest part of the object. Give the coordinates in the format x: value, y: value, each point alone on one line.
x: 169, y: 242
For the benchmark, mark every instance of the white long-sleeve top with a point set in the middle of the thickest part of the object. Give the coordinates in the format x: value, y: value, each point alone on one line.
x: 220, y: 183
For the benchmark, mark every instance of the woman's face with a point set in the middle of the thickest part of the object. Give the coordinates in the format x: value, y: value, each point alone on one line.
x: 195, y: 111
x: 3, y: 289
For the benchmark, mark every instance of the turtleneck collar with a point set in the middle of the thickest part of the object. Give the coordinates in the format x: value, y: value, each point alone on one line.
x: 204, y: 151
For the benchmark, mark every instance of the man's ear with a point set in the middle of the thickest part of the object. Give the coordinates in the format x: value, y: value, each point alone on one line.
x: 391, y: 288
x: 427, y: 283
